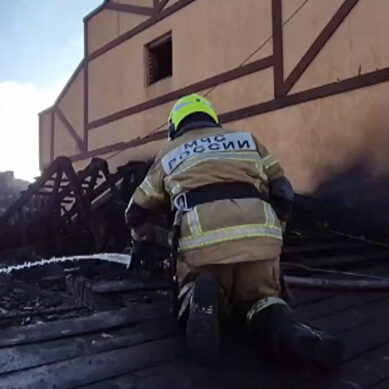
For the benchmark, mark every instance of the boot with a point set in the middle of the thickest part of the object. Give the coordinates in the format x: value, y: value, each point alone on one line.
x: 276, y: 328
x: 202, y: 327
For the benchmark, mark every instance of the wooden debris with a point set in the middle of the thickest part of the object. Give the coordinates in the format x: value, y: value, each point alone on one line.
x: 37, y: 354
x: 65, y: 328
x: 88, y: 369
x: 128, y: 285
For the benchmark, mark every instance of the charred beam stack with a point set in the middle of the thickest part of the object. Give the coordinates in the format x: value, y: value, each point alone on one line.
x: 64, y: 212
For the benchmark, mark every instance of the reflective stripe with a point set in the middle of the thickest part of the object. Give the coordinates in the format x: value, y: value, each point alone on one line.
x: 269, y: 161
x: 193, y: 222
x: 182, y: 105
x: 271, y: 164
x: 198, y: 159
x: 251, y: 156
x: 231, y: 233
x: 197, y: 220
x: 261, y: 173
x: 149, y: 190
x: 268, y: 158
x: 173, y: 189
x: 265, y: 210
x: 269, y: 213
x: 262, y: 304
x: 189, y: 220
x: 273, y: 215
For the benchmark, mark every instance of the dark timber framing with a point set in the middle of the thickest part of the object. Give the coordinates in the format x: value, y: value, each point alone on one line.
x: 277, y: 47
x: 120, y: 146
x: 281, y: 86
x: 161, y: 5
x: 157, y: 17
x: 70, y: 129
x: 318, y: 44
x: 209, y: 82
x: 333, y: 88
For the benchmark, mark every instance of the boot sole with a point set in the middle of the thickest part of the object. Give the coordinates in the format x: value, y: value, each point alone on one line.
x: 202, y: 328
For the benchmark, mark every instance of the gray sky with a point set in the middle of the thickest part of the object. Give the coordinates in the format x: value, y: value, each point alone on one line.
x: 41, y: 43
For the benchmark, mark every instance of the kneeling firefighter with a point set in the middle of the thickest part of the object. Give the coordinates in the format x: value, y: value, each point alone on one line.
x: 232, y: 196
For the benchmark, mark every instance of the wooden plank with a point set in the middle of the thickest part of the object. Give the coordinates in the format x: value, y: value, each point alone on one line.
x: 346, y: 261
x: 234, y: 369
x: 238, y: 365
x: 323, y: 247
x: 370, y: 370
x: 174, y: 375
x: 127, y: 381
x: 27, y: 356
x: 145, y: 296
x: 41, y: 312
x: 167, y: 376
x: 352, y: 318
x: 363, y: 330
x: 309, y: 296
x: 127, y: 285
x: 65, y: 328
x: 171, y: 375
x: 89, y: 369
x: 381, y: 270
x: 342, y: 302
x: 361, y: 339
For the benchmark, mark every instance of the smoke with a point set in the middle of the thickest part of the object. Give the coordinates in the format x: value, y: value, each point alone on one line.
x: 20, y: 104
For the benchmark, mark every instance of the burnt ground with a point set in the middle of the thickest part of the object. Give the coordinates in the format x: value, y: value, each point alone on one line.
x: 97, y: 326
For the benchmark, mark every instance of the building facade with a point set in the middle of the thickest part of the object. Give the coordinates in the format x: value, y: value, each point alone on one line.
x: 310, y: 78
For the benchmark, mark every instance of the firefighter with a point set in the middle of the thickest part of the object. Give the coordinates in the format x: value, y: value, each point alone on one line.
x: 232, y: 195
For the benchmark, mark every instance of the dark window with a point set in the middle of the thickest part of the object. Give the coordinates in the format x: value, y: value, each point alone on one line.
x: 159, y: 59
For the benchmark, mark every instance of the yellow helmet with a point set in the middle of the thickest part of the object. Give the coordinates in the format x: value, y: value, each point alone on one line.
x: 186, y: 106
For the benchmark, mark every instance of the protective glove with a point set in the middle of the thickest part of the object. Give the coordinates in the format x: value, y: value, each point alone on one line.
x: 281, y: 197
x: 136, y: 215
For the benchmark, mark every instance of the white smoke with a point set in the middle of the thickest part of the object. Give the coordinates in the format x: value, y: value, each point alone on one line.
x: 19, y: 107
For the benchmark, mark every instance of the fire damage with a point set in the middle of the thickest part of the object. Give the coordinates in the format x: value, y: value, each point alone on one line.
x: 97, y: 321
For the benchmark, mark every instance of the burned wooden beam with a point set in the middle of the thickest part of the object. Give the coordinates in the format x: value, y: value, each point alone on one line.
x: 27, y: 356
x: 40, y: 312
x: 128, y: 285
x: 88, y: 369
x: 88, y: 205
x: 82, y: 325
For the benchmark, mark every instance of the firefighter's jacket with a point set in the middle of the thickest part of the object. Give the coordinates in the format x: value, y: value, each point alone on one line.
x: 223, y: 231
